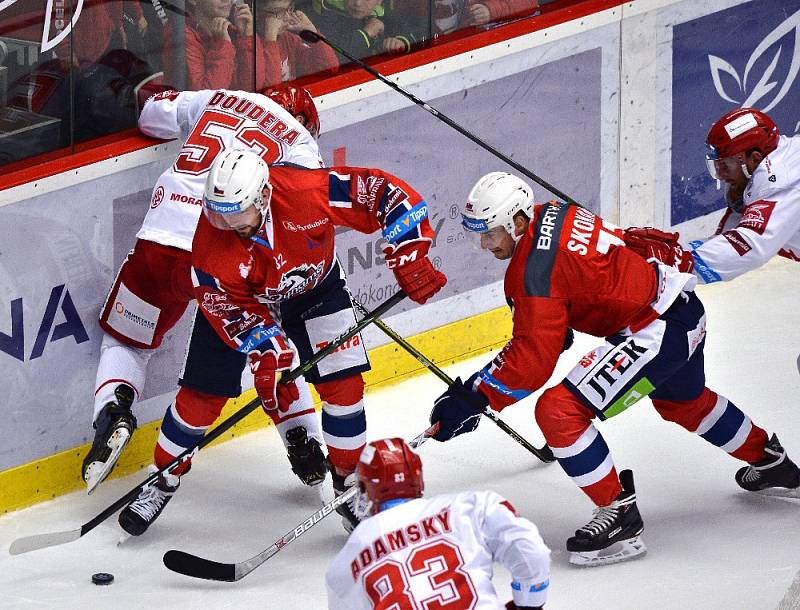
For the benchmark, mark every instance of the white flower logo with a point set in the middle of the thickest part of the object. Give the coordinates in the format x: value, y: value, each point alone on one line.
x: 62, y: 26
x: 749, y: 94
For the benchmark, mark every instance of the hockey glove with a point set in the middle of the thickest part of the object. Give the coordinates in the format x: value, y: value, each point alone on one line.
x: 272, y: 356
x: 512, y: 606
x: 458, y: 410
x: 413, y: 270
x: 651, y: 243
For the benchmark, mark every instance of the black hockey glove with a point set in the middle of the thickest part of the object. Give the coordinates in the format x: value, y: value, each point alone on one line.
x: 569, y: 339
x: 458, y: 410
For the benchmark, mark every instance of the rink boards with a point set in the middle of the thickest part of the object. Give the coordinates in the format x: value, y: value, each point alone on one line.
x: 611, y: 108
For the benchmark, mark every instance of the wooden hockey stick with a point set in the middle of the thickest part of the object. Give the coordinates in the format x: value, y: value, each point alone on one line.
x: 40, y: 541
x: 198, y: 567
x: 545, y: 454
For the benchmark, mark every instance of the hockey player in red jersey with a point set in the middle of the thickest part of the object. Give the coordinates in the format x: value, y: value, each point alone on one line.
x: 410, y: 550
x: 153, y: 286
x: 761, y: 169
x: 264, y: 269
x: 570, y: 268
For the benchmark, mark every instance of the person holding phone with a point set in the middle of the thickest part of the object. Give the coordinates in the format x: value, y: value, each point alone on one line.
x: 218, y: 48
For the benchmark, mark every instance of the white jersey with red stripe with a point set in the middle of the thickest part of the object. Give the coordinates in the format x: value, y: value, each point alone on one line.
x: 440, y: 548
x: 210, y: 122
x: 768, y: 224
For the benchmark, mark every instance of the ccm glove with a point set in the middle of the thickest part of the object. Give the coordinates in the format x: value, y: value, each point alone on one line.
x: 413, y: 270
x: 651, y: 243
x: 274, y: 355
x: 458, y: 410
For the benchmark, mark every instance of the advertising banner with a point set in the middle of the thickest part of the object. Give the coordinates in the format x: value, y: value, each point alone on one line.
x: 63, y: 250
x: 746, y: 55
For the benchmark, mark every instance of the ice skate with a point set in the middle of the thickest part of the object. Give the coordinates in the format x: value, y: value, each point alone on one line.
x: 613, y: 534
x: 113, y: 429
x: 775, y: 475
x: 347, y: 510
x: 140, y: 514
x: 306, y: 457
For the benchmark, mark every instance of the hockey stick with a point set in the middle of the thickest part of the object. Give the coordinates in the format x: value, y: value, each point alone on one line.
x: 545, y: 454
x: 198, y: 567
x: 40, y: 541
x: 312, y: 37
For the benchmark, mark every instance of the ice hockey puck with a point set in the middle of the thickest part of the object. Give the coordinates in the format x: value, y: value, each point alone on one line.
x: 102, y: 578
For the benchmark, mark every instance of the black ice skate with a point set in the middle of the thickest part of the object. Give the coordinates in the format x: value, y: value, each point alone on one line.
x: 306, y: 457
x: 347, y: 510
x: 113, y: 429
x: 613, y: 534
x: 775, y: 475
x: 140, y: 514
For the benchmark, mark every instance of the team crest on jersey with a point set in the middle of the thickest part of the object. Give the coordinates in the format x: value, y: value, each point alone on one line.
x: 756, y: 216
x: 293, y: 282
x: 367, y: 190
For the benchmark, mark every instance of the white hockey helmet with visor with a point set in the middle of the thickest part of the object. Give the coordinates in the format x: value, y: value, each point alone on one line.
x: 234, y: 195
x: 492, y: 204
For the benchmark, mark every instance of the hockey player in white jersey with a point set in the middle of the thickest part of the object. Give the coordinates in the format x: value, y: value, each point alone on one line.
x: 153, y: 286
x: 413, y: 552
x: 761, y: 169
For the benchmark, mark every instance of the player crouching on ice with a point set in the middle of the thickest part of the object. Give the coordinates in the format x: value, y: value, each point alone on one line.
x: 570, y: 269
x: 390, y: 559
x: 264, y: 269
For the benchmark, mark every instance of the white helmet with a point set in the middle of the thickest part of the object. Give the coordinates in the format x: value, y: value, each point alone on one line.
x: 494, y: 200
x: 235, y: 183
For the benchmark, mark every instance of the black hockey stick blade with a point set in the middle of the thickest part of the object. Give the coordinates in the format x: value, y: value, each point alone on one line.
x: 192, y: 565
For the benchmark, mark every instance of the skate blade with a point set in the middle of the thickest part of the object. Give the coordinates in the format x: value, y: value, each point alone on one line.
x: 98, y: 471
x: 617, y: 552
x: 123, y: 538
x: 781, y: 492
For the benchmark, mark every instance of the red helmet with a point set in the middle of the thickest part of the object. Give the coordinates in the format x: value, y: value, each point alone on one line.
x: 740, y: 131
x: 298, y: 102
x: 389, y: 469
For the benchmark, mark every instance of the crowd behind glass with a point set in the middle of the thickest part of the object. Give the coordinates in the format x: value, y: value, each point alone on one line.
x: 91, y: 78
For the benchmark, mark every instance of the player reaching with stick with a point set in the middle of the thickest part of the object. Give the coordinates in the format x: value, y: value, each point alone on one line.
x: 569, y: 268
x: 265, y: 269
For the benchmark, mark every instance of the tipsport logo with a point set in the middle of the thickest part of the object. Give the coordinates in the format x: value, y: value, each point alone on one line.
x: 760, y: 83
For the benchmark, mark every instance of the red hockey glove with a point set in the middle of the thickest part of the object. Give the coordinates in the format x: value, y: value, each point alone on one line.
x: 651, y: 243
x: 276, y: 356
x: 413, y: 270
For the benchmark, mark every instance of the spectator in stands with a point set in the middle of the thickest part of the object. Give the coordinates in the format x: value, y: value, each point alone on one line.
x: 218, y: 48
x: 286, y: 56
x: 451, y: 15
x: 368, y: 27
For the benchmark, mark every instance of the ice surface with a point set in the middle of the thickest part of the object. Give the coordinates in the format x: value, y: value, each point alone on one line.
x: 710, y: 544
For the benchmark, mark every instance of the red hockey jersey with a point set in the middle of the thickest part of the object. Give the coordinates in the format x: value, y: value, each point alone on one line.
x: 236, y: 278
x: 571, y: 269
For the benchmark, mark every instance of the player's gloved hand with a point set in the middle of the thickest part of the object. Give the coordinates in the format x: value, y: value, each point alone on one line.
x: 413, y: 270
x: 272, y: 356
x: 651, y: 243
x: 458, y: 410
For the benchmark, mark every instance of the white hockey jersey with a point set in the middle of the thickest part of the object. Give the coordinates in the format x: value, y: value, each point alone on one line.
x: 768, y: 225
x: 210, y: 122
x: 439, y: 548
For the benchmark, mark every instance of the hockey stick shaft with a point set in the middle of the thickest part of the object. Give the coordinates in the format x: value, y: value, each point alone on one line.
x: 545, y: 454
x: 31, y: 543
x: 198, y: 567
x: 312, y: 37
